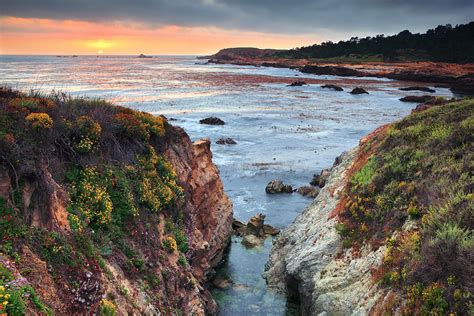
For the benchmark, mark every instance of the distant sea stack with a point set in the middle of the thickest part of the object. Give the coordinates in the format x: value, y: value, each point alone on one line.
x: 106, y: 210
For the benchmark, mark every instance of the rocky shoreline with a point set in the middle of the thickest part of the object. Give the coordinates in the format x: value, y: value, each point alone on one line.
x: 308, y: 259
x: 336, y: 270
x: 458, y: 77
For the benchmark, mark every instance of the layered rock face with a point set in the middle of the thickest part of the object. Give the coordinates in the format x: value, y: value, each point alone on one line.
x: 304, y: 258
x: 208, y: 207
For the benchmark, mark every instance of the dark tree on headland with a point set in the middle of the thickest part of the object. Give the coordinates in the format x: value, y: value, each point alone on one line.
x: 443, y: 43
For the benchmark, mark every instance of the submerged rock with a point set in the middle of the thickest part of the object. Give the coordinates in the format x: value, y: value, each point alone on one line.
x: 414, y: 88
x: 251, y: 241
x: 417, y: 99
x: 226, y: 141
x: 221, y: 283
x: 212, y: 121
x: 358, y: 90
x: 277, y: 186
x: 309, y: 191
x: 297, y: 84
x: 332, y: 86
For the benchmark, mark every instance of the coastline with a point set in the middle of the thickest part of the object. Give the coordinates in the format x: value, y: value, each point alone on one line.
x: 458, y: 77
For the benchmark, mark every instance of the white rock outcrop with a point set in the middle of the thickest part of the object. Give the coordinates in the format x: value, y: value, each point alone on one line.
x: 309, y: 257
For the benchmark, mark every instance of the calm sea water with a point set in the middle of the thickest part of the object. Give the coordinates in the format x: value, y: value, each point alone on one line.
x: 282, y: 132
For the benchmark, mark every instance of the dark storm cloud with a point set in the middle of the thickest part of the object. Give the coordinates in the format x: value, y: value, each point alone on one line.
x: 286, y: 16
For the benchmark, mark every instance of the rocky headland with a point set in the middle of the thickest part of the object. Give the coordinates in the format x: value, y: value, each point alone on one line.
x: 105, y: 210
x: 459, y: 77
x: 390, y: 230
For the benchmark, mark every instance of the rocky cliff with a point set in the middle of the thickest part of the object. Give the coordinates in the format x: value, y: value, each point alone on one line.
x: 392, y: 230
x: 105, y: 210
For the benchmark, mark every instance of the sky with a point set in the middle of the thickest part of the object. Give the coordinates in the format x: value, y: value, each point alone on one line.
x: 199, y: 27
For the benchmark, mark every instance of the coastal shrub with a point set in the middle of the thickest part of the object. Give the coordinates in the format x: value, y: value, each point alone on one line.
x: 434, y: 302
x: 15, y: 293
x: 440, y: 133
x: 366, y: 173
x: 119, y: 185
x: 90, y: 197
x: 131, y: 126
x: 86, y: 134
x: 421, y: 169
x: 154, y: 124
x: 170, y: 244
x: 10, y: 228
x: 121, y: 195
x: 182, y: 260
x: 107, y: 308
x: 451, y: 235
x: 157, y: 184
x: 39, y: 120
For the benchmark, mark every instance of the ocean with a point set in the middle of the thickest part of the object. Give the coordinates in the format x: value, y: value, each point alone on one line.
x: 282, y: 132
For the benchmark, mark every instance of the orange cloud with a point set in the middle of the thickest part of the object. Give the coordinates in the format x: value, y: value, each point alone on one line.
x: 45, y: 36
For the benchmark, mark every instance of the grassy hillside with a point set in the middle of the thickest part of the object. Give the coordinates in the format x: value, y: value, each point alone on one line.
x: 102, y: 167
x: 412, y: 189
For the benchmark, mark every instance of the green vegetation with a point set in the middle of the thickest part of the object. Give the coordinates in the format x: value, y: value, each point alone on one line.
x: 15, y: 294
x: 107, y: 308
x: 444, y: 43
x: 110, y: 162
x: 422, y: 171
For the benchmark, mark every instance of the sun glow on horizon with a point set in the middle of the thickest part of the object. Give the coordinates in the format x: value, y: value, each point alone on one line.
x: 46, y: 36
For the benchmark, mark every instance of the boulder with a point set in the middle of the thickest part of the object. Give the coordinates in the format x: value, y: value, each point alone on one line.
x: 251, y: 241
x: 297, y: 84
x: 226, y: 141
x: 309, y: 191
x: 236, y: 224
x: 464, y: 84
x: 270, y: 230
x: 332, y: 70
x: 255, y: 226
x: 417, y: 88
x: 221, y: 283
x: 420, y: 108
x: 277, y: 186
x: 417, y: 99
x: 338, y: 160
x: 332, y: 86
x: 212, y: 121
x: 358, y: 90
x: 323, y: 177
x: 320, y: 179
